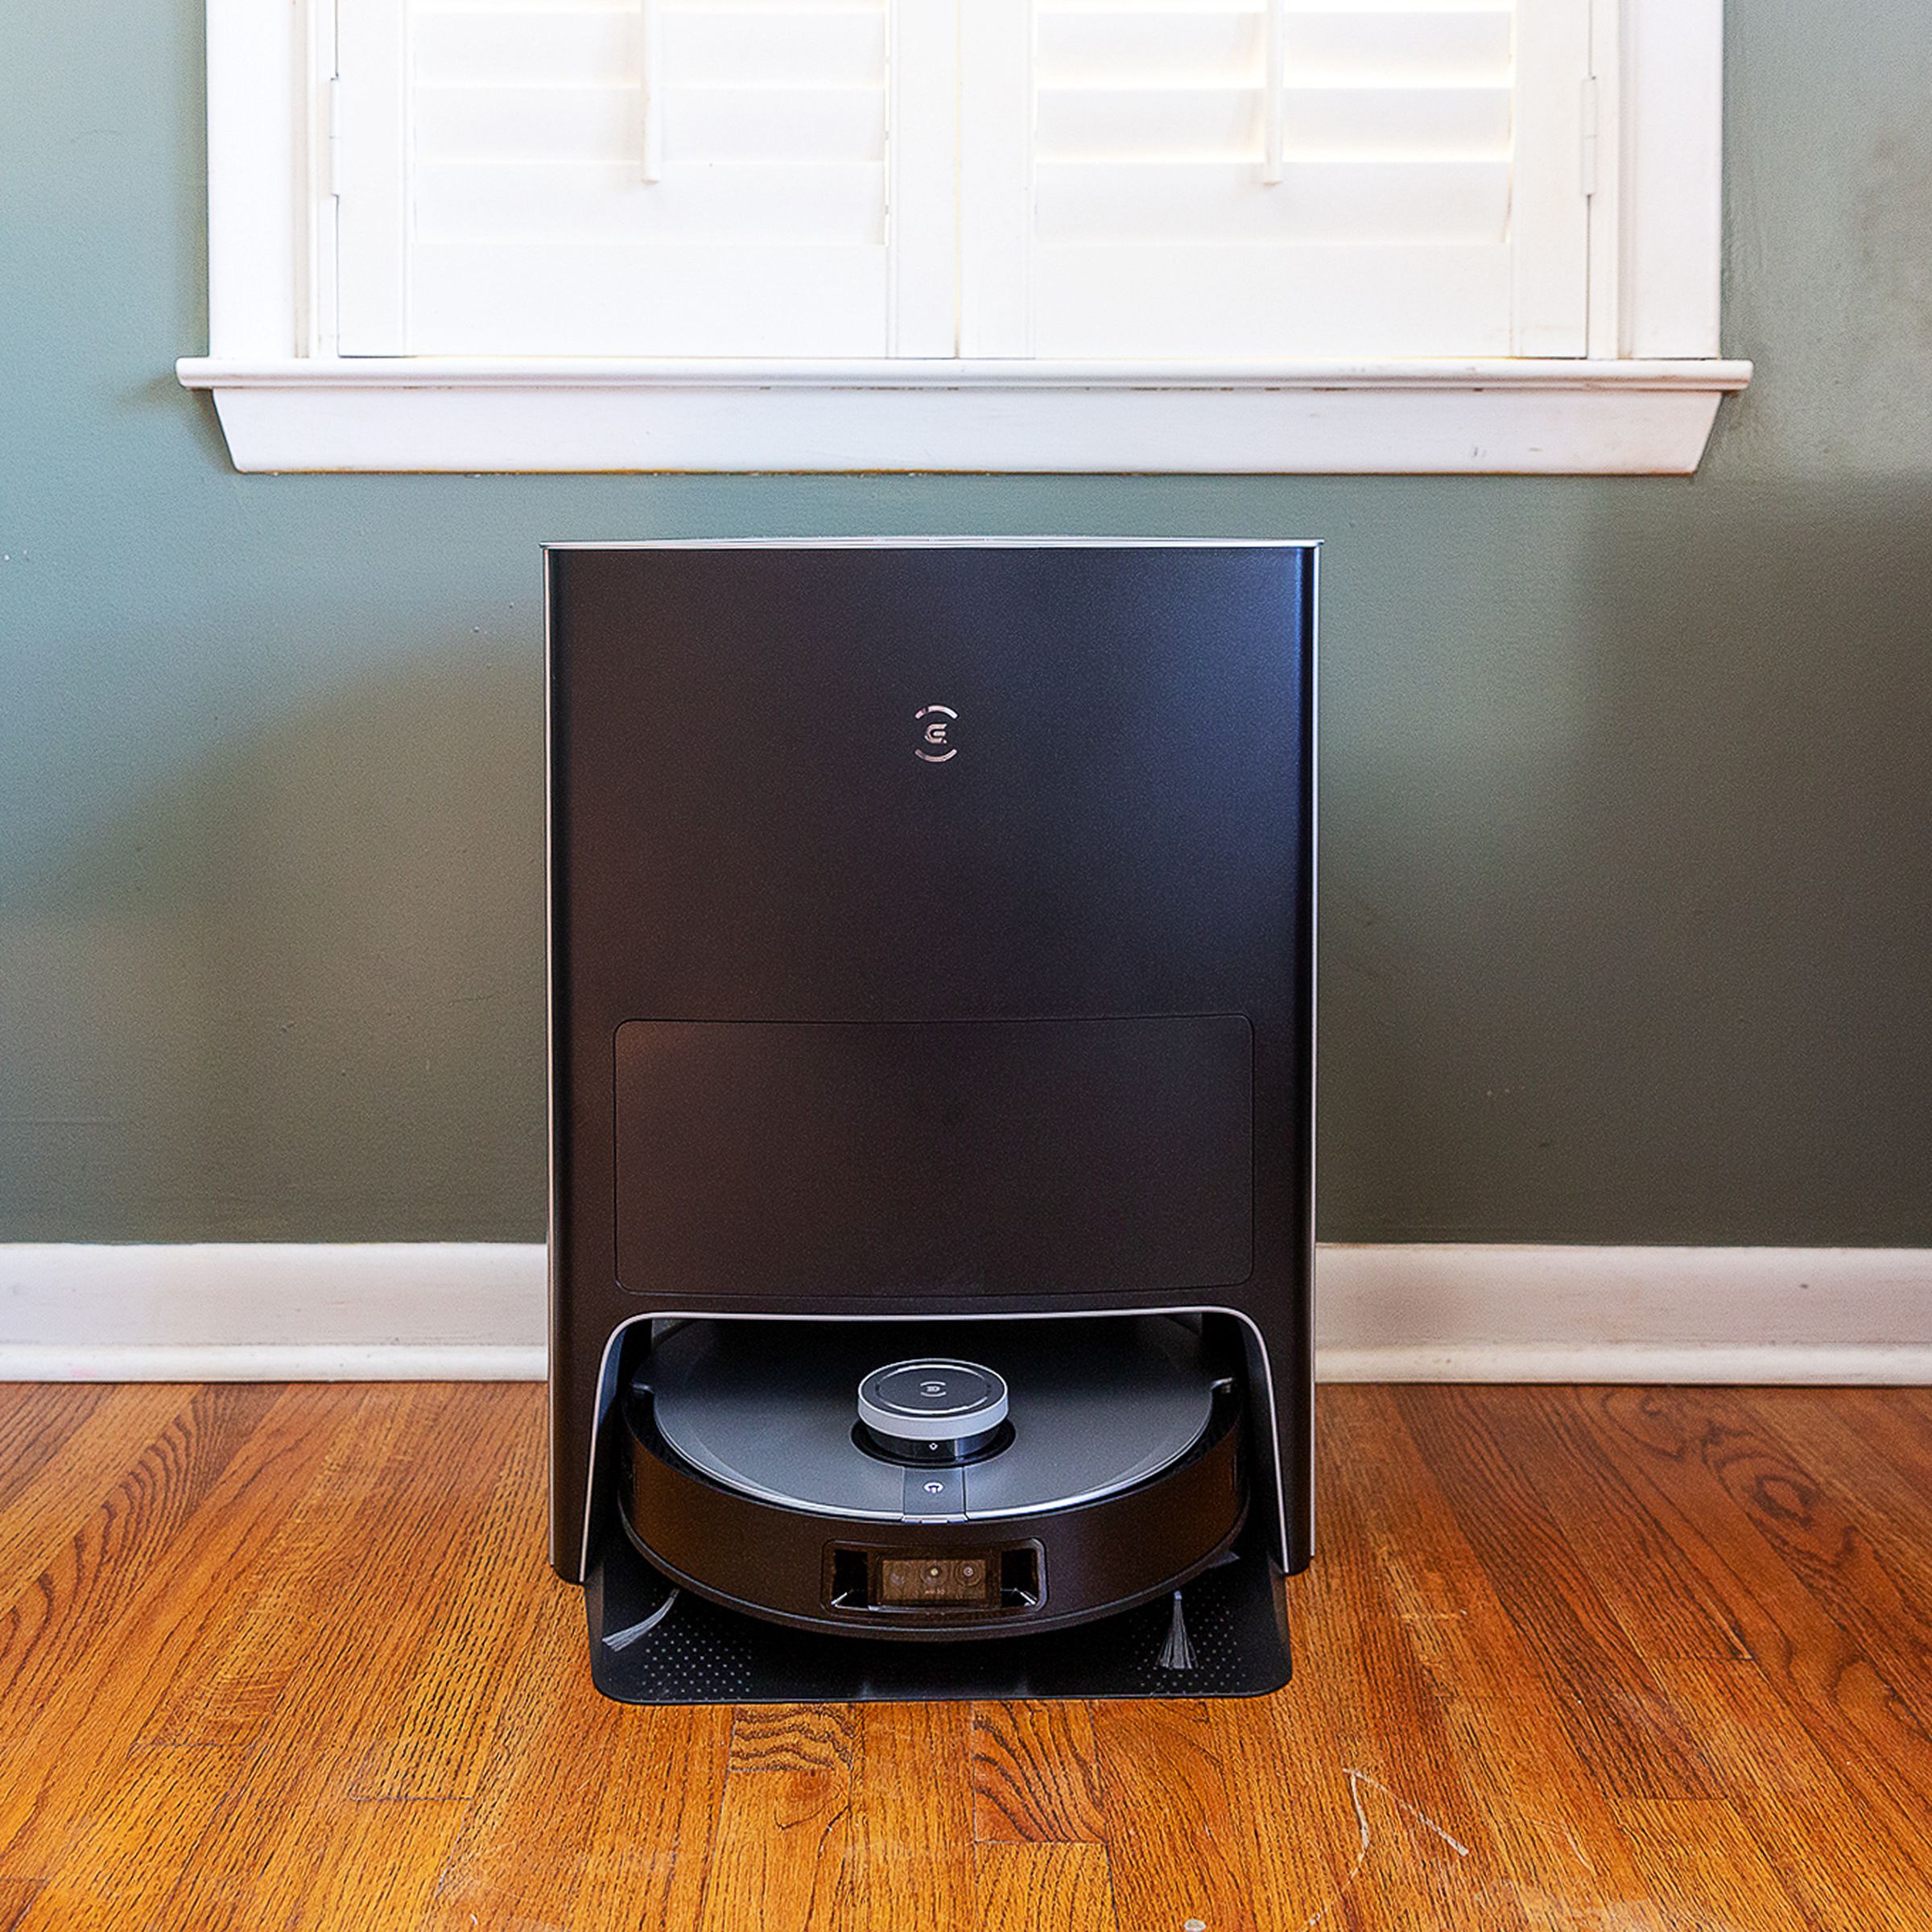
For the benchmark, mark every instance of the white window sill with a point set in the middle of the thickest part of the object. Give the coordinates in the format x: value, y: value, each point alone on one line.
x: 1550, y: 418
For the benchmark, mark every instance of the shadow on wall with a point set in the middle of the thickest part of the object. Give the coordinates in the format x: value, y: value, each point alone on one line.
x: 1626, y: 797
x: 297, y: 991
x: 1664, y: 963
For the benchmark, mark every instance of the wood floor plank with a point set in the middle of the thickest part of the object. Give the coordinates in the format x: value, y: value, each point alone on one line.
x: 1893, y: 1426
x: 1619, y: 1720
x: 435, y: 1746
x: 1852, y: 1536
x: 1753, y: 1738
x: 1838, y: 1862
x: 1910, y: 1417
x: 376, y: 1864
x: 1388, y: 1758
x: 909, y: 1838
x: 778, y: 1849
x: 294, y: 1814
x: 1035, y: 1774
x: 37, y: 1420
x: 526, y: 1850
x: 226, y: 1689
x: 1703, y: 1867
x: 1294, y: 1831
x: 1042, y: 1885
x: 329, y: 1861
x: 1554, y: 1837
x: 17, y: 1897
x: 1172, y: 1844
x: 94, y: 1576
x: 779, y: 1845
x: 1844, y: 1877
x: 650, y: 1842
x: 123, y: 1857
x: 76, y: 1469
x: 1667, y: 1442
x: 1659, y: 1598
x: 54, y: 1771
x: 1916, y: 1402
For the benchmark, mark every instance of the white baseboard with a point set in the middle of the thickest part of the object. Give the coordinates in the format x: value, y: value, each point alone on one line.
x: 1449, y: 1312
x: 1466, y: 1312
x: 273, y: 1311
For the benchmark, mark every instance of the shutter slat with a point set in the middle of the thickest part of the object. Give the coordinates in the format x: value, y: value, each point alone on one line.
x: 1221, y: 48
x: 796, y: 49
x: 1227, y: 45
x: 1125, y: 125
x: 1110, y: 201
x: 1400, y: 14
x: 1436, y: 50
x: 489, y: 127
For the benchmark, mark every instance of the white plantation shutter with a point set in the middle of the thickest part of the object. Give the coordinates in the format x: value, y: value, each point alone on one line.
x: 1427, y: 199
x: 496, y: 191
x: 1164, y: 181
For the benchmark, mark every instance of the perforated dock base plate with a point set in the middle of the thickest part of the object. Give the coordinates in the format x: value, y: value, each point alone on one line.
x: 652, y: 1643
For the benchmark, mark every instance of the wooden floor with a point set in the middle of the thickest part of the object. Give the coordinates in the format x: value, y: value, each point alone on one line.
x: 1619, y: 1659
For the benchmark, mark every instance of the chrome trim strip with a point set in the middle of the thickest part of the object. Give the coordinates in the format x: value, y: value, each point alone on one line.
x: 550, y: 1092
x: 1314, y: 901
x: 942, y: 543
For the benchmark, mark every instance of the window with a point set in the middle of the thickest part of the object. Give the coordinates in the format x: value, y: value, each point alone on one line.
x: 1166, y: 234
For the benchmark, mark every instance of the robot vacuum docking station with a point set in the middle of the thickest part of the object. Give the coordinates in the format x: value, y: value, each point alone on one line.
x: 931, y: 1086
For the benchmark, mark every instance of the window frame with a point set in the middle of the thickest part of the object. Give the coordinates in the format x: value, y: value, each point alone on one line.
x: 1643, y: 405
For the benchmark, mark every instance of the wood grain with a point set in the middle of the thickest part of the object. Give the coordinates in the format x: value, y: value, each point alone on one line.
x: 54, y: 1772
x: 1479, y: 1444
x: 776, y: 1856
x: 124, y: 1860
x: 1038, y: 1885
x: 17, y: 1897
x: 792, y: 1737
x: 95, y: 1575
x: 526, y: 1846
x: 36, y: 1420
x: 650, y: 1846
x: 1540, y: 1800
x: 909, y: 1840
x: 1035, y: 1774
x: 56, y: 1473
x: 1641, y: 1658
x: 1171, y: 1839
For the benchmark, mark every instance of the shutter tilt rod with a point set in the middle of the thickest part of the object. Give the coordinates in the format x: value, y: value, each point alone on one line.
x: 650, y: 35
x: 1274, y: 107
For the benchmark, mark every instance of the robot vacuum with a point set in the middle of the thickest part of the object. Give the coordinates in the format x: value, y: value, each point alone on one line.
x: 934, y: 1479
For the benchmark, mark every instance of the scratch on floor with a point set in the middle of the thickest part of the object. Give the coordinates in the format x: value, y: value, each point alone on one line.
x: 1357, y: 1780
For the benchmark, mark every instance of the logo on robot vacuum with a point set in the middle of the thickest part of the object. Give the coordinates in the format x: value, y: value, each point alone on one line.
x: 937, y: 718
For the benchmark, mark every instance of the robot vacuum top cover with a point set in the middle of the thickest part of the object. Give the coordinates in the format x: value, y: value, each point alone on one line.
x: 805, y: 1414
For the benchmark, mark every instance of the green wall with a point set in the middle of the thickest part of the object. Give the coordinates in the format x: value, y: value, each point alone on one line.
x: 1627, y: 799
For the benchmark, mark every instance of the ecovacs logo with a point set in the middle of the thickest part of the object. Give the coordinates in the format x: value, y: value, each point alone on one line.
x: 935, y: 746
